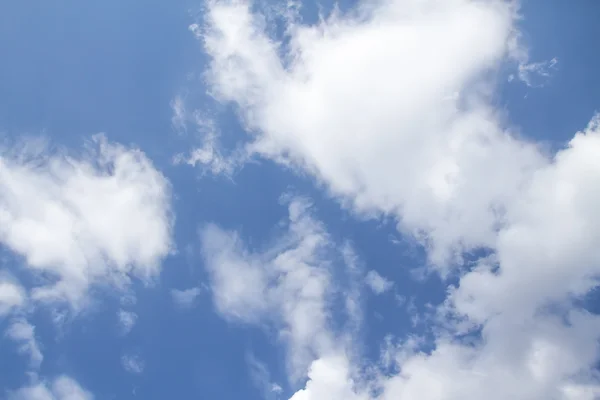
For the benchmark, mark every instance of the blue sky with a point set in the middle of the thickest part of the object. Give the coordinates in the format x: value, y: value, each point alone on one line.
x: 237, y: 199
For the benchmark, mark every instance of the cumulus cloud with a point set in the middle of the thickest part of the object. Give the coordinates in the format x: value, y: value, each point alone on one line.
x: 389, y: 106
x: 100, y: 217
x: 377, y: 283
x: 288, y: 284
x: 62, y: 388
x: 510, y: 328
x: 185, y: 298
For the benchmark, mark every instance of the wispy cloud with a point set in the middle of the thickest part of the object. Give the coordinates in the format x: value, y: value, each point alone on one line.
x: 377, y: 283
x: 185, y: 298
x: 23, y: 333
x: 288, y: 284
x: 133, y: 364
x: 127, y: 320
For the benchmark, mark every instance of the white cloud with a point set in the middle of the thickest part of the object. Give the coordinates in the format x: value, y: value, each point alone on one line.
x: 62, y: 388
x: 288, y: 283
x: 23, y: 333
x: 185, y: 298
x: 12, y: 296
x: 390, y: 107
x: 534, y: 343
x: 132, y: 364
x: 127, y: 320
x: 384, y: 129
x: 377, y: 283
x: 97, y: 218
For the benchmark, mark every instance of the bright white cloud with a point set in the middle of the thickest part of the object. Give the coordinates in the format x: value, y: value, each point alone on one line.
x: 408, y: 131
x: 23, y: 333
x: 288, y: 283
x: 12, y: 296
x: 377, y: 283
x: 389, y: 107
x: 62, y: 388
x: 97, y: 218
x: 185, y: 298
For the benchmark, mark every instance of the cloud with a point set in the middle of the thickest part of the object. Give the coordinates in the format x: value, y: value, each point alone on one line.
x: 288, y: 284
x: 356, y: 115
x: 179, y: 119
x: 62, y: 388
x: 12, y: 296
x: 391, y: 108
x: 100, y: 217
x: 377, y: 283
x: 510, y: 328
x: 208, y: 156
x: 23, y: 333
x: 127, y: 320
x: 185, y: 298
x: 534, y: 74
x: 132, y: 364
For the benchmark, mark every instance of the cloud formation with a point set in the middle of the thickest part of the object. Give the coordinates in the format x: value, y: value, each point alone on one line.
x: 99, y: 217
x: 378, y: 283
x: 288, y: 285
x: 185, y: 298
x: 23, y: 333
x: 12, y: 296
x: 132, y: 364
x: 127, y: 320
x: 390, y: 106
x: 61, y: 388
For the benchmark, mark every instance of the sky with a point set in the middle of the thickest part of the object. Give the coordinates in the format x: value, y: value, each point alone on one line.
x: 300, y: 200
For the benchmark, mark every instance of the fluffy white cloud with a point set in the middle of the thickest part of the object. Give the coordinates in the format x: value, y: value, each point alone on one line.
x: 62, y: 388
x: 12, y: 296
x: 390, y: 107
x: 525, y: 338
x: 288, y: 283
x: 23, y: 333
x: 387, y: 106
x: 185, y: 298
x: 377, y: 283
x: 96, y: 218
